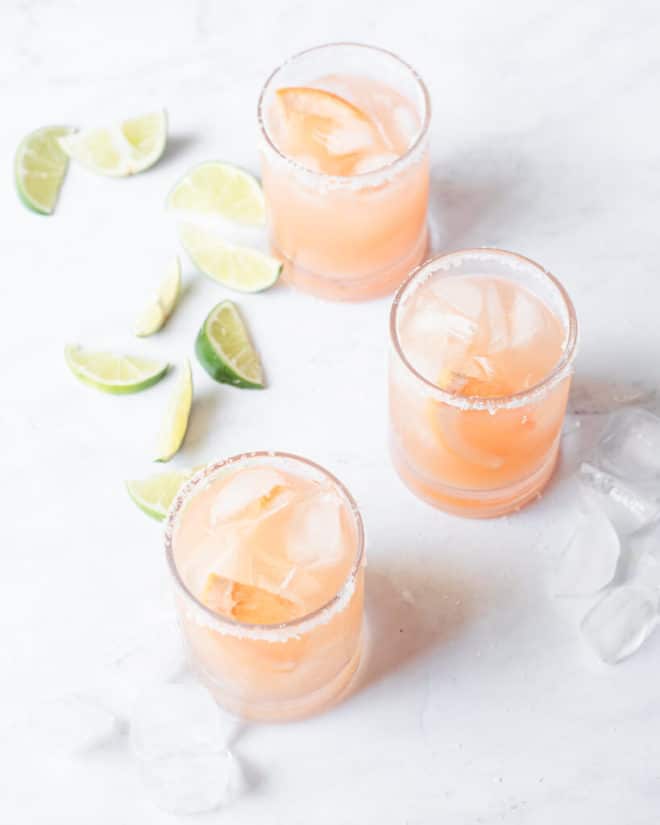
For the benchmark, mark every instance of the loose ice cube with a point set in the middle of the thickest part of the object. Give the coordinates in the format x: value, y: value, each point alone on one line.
x: 644, y: 549
x: 498, y: 327
x: 246, y: 603
x: 179, y: 738
x: 246, y: 494
x: 589, y: 560
x: 315, y: 535
x: 620, y: 622
x: 630, y: 447
x: 72, y: 725
x: 628, y: 508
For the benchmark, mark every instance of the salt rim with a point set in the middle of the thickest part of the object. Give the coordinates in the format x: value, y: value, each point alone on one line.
x: 202, y: 616
x: 413, y: 155
x: 450, y: 260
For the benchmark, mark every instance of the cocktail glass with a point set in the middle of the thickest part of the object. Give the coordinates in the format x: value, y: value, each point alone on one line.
x: 482, y: 350
x: 252, y: 541
x: 347, y: 199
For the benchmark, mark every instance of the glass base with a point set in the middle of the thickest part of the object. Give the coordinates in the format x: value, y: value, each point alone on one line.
x: 474, y: 503
x: 280, y: 710
x: 346, y: 288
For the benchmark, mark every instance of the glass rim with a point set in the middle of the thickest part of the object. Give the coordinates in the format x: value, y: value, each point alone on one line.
x: 364, y: 177
x: 262, y: 631
x: 476, y: 402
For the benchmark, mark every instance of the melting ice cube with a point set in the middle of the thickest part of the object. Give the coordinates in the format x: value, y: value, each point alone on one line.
x: 72, y: 725
x: 630, y: 447
x: 628, y: 508
x: 620, y: 622
x: 589, y: 560
x: 179, y: 739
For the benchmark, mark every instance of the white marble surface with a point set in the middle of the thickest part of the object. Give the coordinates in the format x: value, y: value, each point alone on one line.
x: 480, y: 703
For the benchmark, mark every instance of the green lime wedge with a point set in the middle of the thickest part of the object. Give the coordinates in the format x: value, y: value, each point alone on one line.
x: 122, y: 149
x: 40, y: 167
x: 236, y: 267
x: 117, y: 374
x: 159, y: 310
x: 175, y: 423
x: 153, y: 495
x: 224, y: 349
x: 221, y: 190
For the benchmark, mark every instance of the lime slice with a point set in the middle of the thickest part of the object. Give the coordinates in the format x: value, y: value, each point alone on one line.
x: 154, y: 495
x: 154, y: 316
x: 221, y: 190
x: 236, y: 267
x: 175, y: 424
x: 40, y: 166
x: 117, y: 374
x: 224, y: 349
x: 123, y: 149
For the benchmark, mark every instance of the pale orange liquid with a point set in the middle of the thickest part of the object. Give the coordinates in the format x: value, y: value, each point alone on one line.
x: 263, y: 546
x: 351, y: 241
x: 487, y: 338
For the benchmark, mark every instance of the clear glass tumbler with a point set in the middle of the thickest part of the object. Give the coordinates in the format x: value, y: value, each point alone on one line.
x: 354, y: 235
x: 284, y: 668
x: 480, y: 435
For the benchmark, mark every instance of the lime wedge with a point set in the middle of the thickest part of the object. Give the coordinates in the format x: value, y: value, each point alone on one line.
x: 159, y: 310
x: 117, y: 374
x: 154, y: 495
x: 175, y: 424
x: 40, y: 167
x: 236, y: 267
x: 123, y: 149
x: 220, y: 190
x: 224, y: 349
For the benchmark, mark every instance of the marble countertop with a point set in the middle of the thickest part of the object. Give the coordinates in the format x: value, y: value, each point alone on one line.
x: 480, y: 702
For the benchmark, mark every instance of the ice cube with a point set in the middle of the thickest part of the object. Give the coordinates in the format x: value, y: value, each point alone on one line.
x: 627, y: 507
x: 621, y: 621
x: 644, y: 549
x: 179, y: 740
x: 371, y: 163
x: 244, y: 495
x: 348, y: 138
x: 527, y: 319
x: 460, y: 295
x: 498, y: 326
x: 630, y: 447
x: 316, y: 536
x: 589, y: 560
x: 72, y: 725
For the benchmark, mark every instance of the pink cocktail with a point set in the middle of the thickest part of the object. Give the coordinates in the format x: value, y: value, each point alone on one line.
x: 267, y: 555
x: 345, y: 169
x: 483, y: 343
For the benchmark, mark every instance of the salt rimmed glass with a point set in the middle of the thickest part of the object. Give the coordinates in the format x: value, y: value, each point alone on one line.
x: 417, y: 404
x: 272, y: 672
x: 347, y: 238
